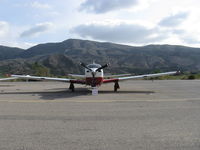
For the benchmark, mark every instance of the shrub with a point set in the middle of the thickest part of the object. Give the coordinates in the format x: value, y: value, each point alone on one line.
x: 191, y: 77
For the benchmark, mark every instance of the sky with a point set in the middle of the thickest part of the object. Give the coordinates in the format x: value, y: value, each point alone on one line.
x: 25, y: 23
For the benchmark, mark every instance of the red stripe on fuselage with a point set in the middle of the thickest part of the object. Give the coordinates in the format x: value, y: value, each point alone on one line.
x: 110, y: 80
x: 94, y: 81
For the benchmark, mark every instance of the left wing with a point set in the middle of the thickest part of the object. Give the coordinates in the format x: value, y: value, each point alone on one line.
x: 48, y: 78
x: 139, y: 76
x: 118, y: 75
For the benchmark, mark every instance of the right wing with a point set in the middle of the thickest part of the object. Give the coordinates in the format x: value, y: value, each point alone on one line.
x: 5, y: 79
x: 48, y: 78
x: 76, y: 76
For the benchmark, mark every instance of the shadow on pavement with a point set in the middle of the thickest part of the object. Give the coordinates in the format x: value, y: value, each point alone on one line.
x: 59, y: 93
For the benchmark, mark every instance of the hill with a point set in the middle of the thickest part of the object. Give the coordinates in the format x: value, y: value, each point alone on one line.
x: 9, y: 52
x: 63, y: 57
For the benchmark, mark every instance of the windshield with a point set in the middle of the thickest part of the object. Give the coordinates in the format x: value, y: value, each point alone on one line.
x: 94, y: 66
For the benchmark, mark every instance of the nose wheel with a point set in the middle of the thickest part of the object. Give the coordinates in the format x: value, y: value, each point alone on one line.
x: 116, y: 86
x: 71, y: 87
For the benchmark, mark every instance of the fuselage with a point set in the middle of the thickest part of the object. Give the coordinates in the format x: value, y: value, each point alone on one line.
x: 93, y: 76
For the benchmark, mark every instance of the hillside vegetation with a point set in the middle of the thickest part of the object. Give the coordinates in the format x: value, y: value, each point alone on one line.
x: 59, y: 59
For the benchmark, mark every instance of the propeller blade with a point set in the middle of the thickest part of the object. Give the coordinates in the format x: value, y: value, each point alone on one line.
x: 83, y: 65
x: 102, y: 67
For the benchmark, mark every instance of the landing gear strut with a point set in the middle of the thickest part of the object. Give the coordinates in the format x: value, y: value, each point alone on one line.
x: 71, y: 87
x: 116, y: 86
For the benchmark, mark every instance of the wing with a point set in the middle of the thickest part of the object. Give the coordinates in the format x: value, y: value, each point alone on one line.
x: 76, y: 76
x: 118, y: 75
x: 6, y: 79
x: 139, y: 76
x: 48, y: 78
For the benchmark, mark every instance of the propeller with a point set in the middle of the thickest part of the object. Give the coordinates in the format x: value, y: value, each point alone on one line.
x: 83, y: 65
x: 102, y: 67
x: 93, y: 72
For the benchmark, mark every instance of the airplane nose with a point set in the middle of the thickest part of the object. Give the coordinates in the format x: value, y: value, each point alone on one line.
x: 93, y: 73
x: 93, y: 69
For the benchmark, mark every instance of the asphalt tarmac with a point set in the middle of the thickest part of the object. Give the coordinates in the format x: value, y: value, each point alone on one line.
x: 142, y: 115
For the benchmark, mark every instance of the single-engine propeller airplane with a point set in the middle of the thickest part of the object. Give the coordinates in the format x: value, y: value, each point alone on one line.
x: 93, y: 77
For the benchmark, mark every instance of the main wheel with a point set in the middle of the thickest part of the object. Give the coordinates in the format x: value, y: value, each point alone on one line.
x: 71, y: 87
x: 116, y: 86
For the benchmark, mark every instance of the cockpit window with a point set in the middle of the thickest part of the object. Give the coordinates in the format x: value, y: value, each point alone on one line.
x: 94, y: 66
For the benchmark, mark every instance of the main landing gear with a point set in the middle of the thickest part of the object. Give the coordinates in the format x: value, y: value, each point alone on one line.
x: 116, y: 86
x: 71, y: 87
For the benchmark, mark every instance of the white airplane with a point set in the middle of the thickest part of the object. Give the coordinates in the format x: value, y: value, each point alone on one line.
x: 93, y: 77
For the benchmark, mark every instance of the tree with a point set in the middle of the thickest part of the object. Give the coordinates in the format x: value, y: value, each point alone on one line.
x: 40, y: 70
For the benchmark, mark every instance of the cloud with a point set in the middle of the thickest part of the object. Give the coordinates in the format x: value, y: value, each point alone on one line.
x: 187, y: 37
x: 173, y: 20
x: 122, y: 33
x: 103, y: 6
x: 39, y: 5
x: 4, y: 28
x: 8, y: 36
x: 191, y: 40
x: 36, y: 30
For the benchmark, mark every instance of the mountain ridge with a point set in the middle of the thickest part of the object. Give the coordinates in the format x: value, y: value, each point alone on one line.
x: 67, y: 54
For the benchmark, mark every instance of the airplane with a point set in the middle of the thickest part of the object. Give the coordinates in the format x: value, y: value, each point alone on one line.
x: 94, y: 77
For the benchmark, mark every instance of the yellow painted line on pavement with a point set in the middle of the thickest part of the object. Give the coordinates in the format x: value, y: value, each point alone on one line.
x: 98, y: 101
x: 23, y: 101
x: 141, y: 100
